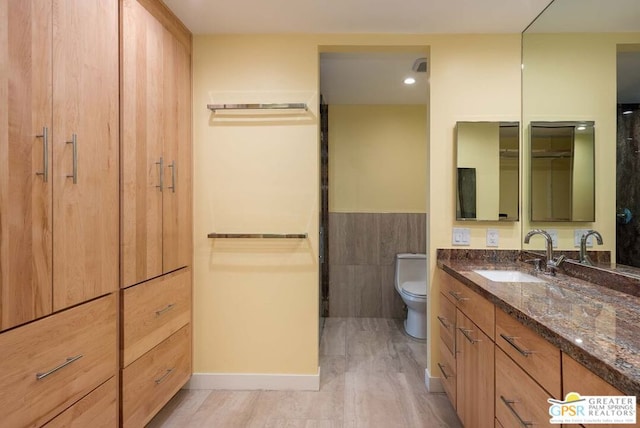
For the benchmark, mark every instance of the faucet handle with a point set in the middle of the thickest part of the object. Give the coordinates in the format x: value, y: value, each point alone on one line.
x: 536, y: 263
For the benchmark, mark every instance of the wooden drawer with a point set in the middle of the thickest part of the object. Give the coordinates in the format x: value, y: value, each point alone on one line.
x: 518, y: 397
x: 447, y: 319
x: 578, y: 378
x: 71, y: 353
x: 99, y: 409
x: 447, y: 367
x: 153, y: 311
x: 539, y: 358
x: 477, y: 308
x: 155, y: 377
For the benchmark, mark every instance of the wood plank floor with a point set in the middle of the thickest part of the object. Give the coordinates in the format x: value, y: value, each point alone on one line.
x: 372, y: 375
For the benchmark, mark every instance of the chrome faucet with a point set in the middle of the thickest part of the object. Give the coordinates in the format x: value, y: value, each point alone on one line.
x: 552, y: 263
x: 584, y: 257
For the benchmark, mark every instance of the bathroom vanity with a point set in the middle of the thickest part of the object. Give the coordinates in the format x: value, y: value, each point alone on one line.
x: 508, y: 344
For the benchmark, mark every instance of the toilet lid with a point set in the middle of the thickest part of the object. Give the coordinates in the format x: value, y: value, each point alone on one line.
x: 415, y: 288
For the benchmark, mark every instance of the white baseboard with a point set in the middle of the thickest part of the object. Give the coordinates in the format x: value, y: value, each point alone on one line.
x: 254, y: 381
x: 434, y: 384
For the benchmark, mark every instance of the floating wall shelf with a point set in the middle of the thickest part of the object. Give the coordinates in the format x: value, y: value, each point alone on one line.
x: 282, y: 106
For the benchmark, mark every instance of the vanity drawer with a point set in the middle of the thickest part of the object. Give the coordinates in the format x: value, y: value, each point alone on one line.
x: 99, y: 409
x: 51, y: 363
x: 473, y: 305
x: 518, y: 397
x: 539, y: 358
x: 153, y: 311
x: 151, y: 381
x: 447, y: 367
x: 447, y: 320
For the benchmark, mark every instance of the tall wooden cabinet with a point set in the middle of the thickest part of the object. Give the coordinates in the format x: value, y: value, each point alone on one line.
x: 156, y: 209
x: 59, y: 210
x: 58, y: 156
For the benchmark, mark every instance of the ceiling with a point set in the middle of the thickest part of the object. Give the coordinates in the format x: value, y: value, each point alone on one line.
x: 356, y: 16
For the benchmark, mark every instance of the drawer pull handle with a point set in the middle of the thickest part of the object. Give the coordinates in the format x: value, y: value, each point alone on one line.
x: 511, y: 341
x: 465, y: 332
x: 161, y: 169
x: 68, y: 361
x: 74, y: 158
x: 167, y: 309
x: 163, y: 377
x: 458, y: 296
x: 446, y: 376
x: 444, y: 322
x: 45, y: 154
x: 509, y: 403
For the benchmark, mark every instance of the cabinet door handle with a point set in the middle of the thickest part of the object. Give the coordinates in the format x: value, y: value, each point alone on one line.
x: 511, y: 341
x: 465, y: 332
x: 458, y: 296
x: 509, y: 403
x: 163, y: 377
x: 162, y: 311
x: 45, y: 154
x: 173, y: 176
x: 441, y: 367
x: 74, y: 146
x: 161, y: 185
x: 444, y: 322
x: 68, y: 361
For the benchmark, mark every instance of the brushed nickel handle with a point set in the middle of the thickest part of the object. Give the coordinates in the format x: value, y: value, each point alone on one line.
x: 441, y: 367
x: 444, y: 322
x: 458, y: 296
x: 68, y: 361
x: 168, y: 308
x: 511, y: 341
x: 163, y: 377
x: 74, y: 143
x: 45, y: 154
x: 509, y: 403
x: 161, y: 185
x: 465, y: 332
x: 172, y: 165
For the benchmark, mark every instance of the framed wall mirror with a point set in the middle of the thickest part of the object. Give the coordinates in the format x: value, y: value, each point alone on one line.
x: 487, y: 163
x: 562, y: 171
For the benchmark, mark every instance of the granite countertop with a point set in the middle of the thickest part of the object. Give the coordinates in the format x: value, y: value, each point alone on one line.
x: 596, y: 325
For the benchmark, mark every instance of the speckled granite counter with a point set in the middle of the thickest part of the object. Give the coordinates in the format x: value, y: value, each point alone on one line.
x: 596, y: 325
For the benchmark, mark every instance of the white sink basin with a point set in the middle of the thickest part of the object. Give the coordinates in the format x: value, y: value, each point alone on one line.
x: 508, y: 276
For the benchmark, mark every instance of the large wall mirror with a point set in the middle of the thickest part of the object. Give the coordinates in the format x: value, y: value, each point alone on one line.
x: 487, y: 171
x: 581, y: 62
x: 562, y: 171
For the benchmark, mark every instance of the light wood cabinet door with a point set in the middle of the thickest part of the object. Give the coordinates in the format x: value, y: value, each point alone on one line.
x: 156, y: 144
x: 475, y: 371
x: 447, y: 320
x: 477, y: 308
x: 85, y: 150
x: 51, y: 363
x: 25, y: 156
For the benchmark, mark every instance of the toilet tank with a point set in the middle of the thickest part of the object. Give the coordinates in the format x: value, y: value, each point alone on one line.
x: 411, y: 267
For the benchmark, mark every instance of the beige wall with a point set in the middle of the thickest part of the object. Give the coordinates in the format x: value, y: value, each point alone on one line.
x: 256, y: 307
x: 378, y: 158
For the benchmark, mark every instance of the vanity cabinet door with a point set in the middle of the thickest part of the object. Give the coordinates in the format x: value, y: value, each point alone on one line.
x: 475, y: 371
x: 447, y: 320
x: 477, y: 308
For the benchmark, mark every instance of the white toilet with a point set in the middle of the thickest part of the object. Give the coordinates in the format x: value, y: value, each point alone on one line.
x: 411, y: 284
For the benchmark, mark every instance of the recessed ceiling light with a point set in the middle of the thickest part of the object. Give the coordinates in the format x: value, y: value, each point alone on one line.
x: 409, y: 81
x: 581, y: 128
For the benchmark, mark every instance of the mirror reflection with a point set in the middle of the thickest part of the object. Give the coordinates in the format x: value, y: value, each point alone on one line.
x: 487, y: 171
x: 562, y: 171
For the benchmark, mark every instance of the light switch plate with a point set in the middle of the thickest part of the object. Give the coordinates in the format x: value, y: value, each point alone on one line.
x: 461, y: 236
x: 577, y: 237
x: 493, y: 237
x: 554, y: 237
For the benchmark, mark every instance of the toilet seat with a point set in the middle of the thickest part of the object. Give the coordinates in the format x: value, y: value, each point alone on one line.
x: 415, y: 289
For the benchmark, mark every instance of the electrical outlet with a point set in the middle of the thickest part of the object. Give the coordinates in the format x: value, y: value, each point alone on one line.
x: 577, y: 237
x: 493, y: 237
x: 554, y: 237
x: 461, y: 236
